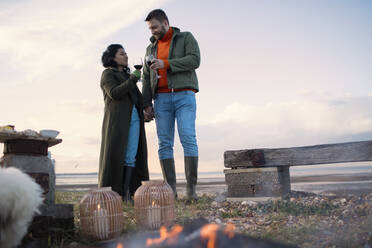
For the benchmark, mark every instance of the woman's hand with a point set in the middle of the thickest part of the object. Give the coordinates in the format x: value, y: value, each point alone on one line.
x: 137, y: 74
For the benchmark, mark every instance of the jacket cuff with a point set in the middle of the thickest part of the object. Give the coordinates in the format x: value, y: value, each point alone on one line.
x: 133, y: 78
x: 166, y: 64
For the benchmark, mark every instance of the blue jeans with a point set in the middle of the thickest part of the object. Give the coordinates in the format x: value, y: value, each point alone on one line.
x: 133, y: 139
x: 180, y: 106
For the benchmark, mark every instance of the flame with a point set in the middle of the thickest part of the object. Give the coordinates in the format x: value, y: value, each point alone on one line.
x: 229, y: 230
x: 120, y: 245
x: 98, y: 206
x: 153, y: 203
x: 177, y: 229
x: 172, y: 236
x: 209, y: 232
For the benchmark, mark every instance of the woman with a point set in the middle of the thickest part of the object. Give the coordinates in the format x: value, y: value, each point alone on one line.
x: 123, y: 158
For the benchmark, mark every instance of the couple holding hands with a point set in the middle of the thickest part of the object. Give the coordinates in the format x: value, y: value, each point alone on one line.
x: 169, y: 84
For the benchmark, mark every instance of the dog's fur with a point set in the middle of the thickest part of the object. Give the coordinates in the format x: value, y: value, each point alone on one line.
x: 20, y: 199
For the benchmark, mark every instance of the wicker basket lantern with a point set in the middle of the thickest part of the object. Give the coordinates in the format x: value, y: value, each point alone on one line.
x: 101, y: 214
x: 154, y: 204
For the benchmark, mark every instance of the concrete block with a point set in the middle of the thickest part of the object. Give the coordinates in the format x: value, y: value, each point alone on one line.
x: 40, y: 168
x: 258, y: 182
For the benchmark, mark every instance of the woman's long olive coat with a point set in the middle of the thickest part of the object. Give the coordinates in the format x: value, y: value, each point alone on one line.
x: 119, y: 88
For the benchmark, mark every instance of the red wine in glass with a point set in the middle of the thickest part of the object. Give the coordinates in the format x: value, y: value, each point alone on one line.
x: 138, y: 63
x: 149, y: 59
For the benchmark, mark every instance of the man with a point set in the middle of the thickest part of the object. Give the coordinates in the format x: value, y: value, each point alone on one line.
x: 170, y: 79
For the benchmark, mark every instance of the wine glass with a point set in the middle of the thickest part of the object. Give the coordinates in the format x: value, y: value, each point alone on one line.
x: 138, y: 63
x: 149, y: 59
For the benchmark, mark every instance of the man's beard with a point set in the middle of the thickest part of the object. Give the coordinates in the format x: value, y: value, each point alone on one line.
x: 162, y: 33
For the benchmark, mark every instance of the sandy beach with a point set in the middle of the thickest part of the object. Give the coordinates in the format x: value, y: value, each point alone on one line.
x: 358, y: 183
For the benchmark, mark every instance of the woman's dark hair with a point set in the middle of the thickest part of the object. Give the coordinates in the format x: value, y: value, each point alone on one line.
x: 109, y: 55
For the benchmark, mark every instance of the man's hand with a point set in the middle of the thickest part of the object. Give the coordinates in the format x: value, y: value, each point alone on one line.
x: 157, y: 64
x: 148, y: 113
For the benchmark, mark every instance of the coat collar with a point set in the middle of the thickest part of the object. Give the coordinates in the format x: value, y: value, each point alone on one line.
x: 117, y: 70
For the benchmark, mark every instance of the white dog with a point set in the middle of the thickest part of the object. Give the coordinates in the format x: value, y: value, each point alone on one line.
x: 20, y: 199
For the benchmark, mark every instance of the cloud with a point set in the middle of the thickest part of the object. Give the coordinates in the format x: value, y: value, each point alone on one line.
x: 313, y: 119
x: 82, y: 106
x: 308, y: 121
x: 49, y: 51
x: 43, y: 36
x: 52, y: 49
x: 92, y: 141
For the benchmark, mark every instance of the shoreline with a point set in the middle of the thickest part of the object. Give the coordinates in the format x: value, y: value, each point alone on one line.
x: 358, y: 183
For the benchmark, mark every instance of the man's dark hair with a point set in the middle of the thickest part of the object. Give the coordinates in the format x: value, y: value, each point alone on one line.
x: 109, y: 55
x: 157, y: 14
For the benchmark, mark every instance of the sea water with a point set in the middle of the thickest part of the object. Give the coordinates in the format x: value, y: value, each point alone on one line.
x: 218, y: 176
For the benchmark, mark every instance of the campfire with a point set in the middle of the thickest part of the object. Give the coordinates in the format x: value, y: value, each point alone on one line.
x: 198, y: 234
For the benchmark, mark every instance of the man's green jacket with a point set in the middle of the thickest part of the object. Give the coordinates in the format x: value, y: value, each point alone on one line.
x: 184, y: 58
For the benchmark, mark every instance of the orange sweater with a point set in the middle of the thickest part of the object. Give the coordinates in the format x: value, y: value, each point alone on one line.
x: 163, y: 54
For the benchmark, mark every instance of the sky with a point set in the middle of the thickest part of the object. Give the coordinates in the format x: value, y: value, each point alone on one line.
x: 272, y: 74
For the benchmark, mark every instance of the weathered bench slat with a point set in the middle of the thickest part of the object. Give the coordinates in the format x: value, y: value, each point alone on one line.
x: 306, y: 155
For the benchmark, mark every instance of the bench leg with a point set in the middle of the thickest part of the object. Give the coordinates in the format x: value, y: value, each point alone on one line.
x: 285, y: 181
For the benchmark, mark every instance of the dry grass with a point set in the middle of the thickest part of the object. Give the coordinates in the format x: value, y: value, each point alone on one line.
x: 306, y: 221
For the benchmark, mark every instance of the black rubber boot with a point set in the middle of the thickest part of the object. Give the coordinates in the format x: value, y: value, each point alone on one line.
x: 191, y: 172
x: 128, y: 171
x: 169, y: 173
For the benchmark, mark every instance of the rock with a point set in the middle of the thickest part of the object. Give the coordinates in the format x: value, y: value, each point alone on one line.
x: 220, y: 197
x: 218, y: 221
x: 249, y: 203
x: 327, y: 233
x: 247, y: 226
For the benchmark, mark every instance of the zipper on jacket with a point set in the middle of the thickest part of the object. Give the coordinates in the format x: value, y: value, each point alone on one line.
x: 169, y: 55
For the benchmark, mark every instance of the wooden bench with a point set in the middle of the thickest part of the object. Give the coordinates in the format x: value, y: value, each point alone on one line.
x: 265, y: 172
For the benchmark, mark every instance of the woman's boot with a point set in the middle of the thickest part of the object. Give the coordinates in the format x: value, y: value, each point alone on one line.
x: 128, y: 171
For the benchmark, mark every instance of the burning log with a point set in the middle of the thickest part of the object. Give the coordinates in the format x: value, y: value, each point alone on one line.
x: 198, y: 234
